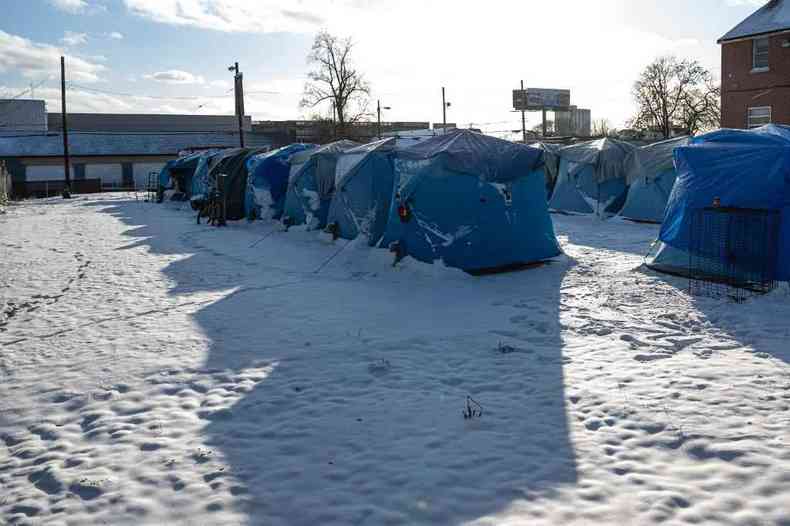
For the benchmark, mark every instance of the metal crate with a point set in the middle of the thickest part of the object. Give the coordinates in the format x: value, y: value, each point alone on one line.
x: 733, y: 252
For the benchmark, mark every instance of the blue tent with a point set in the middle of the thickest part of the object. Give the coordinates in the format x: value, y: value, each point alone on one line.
x: 268, y: 181
x: 365, y: 178
x: 651, y: 176
x: 312, y: 184
x: 181, y: 172
x: 202, y: 184
x: 475, y: 202
x: 592, y: 178
x: 164, y: 175
x: 745, y: 169
x: 551, y: 157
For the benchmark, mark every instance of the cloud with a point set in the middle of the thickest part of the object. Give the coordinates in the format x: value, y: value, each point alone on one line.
x: 115, y: 35
x: 75, y: 7
x: 70, y: 38
x: 220, y: 84
x: 176, y: 76
x: 250, y: 16
x: 70, y: 6
x: 36, y: 60
x: 738, y: 3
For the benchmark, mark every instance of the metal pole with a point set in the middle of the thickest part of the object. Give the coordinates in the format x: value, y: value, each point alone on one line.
x: 239, y: 103
x: 444, y: 111
x: 523, y: 118
x: 66, y: 159
x: 378, y: 121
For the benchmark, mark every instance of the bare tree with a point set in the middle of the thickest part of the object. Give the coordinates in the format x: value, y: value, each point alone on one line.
x: 673, y: 93
x: 702, y: 109
x: 335, y: 80
x: 602, y: 128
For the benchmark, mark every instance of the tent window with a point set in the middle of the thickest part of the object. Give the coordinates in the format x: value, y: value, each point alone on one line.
x: 759, y: 117
x: 760, y: 47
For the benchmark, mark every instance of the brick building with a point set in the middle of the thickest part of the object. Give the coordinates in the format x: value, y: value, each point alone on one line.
x: 755, y: 69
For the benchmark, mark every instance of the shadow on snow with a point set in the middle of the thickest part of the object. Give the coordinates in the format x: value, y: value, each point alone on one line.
x: 360, y: 419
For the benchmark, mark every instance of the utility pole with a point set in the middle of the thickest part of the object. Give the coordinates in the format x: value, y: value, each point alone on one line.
x: 66, y: 160
x: 238, y: 89
x: 523, y: 118
x: 444, y: 111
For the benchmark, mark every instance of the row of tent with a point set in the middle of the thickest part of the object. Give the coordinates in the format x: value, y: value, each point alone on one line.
x: 608, y: 177
x: 474, y: 202
x: 479, y: 203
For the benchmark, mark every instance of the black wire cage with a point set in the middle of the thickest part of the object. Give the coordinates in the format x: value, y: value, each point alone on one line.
x: 733, y: 252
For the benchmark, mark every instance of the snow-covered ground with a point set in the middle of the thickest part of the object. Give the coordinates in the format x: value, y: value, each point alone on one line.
x: 153, y: 371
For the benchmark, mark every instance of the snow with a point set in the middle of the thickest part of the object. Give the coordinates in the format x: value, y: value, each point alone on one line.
x: 154, y: 371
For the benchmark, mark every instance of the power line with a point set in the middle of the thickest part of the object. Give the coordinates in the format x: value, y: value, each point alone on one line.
x: 28, y: 90
x: 79, y: 87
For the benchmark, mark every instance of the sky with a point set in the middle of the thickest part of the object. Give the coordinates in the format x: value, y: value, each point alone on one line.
x: 145, y: 56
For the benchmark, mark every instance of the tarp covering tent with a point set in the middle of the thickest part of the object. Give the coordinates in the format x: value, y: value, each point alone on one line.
x: 267, y: 183
x: 592, y: 178
x: 229, y: 175
x: 651, y: 175
x: 164, y: 175
x: 312, y: 184
x: 202, y: 183
x: 475, y: 202
x: 744, y: 169
x: 364, y: 183
x: 551, y: 161
x: 181, y: 172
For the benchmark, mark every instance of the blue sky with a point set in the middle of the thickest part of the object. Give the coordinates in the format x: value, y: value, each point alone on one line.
x: 157, y: 49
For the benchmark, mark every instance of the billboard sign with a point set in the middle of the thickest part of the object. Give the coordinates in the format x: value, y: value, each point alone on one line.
x: 534, y: 99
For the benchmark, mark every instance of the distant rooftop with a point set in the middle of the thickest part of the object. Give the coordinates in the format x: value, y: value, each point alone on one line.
x: 122, y: 144
x: 773, y: 17
x: 147, y: 123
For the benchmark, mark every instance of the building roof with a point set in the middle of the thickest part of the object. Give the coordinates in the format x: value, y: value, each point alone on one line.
x: 122, y: 144
x: 771, y: 18
x: 147, y: 123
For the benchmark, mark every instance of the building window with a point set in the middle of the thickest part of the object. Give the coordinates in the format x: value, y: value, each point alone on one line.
x: 760, y: 47
x: 759, y: 117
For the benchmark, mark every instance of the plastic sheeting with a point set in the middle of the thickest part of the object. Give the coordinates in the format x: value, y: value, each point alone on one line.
x: 592, y: 178
x: 474, y: 202
x: 551, y: 159
x: 312, y: 184
x: 651, y: 176
x: 364, y: 182
x: 267, y: 183
x: 748, y: 169
x: 182, y: 171
x: 164, y: 176
x: 202, y: 184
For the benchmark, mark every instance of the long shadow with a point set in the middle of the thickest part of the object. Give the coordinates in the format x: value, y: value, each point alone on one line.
x: 361, y: 417
x: 759, y: 323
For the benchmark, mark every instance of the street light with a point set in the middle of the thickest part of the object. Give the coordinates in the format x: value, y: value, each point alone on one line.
x: 379, y: 107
